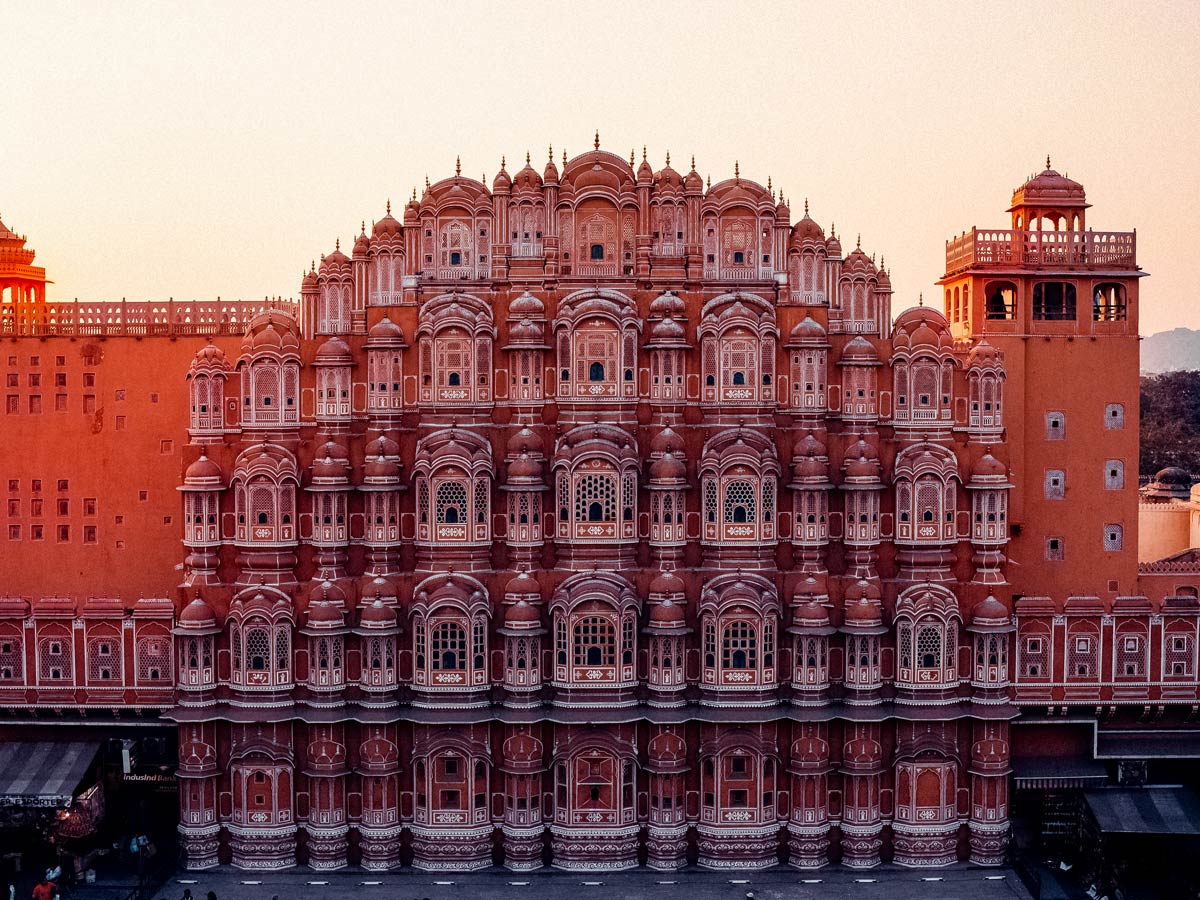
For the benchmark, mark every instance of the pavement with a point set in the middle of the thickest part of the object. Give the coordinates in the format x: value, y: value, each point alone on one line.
x: 959, y: 882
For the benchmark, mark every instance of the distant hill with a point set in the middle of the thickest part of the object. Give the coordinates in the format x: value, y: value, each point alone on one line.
x: 1170, y: 351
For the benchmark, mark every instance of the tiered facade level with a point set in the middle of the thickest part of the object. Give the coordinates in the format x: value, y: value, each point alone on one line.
x: 606, y: 518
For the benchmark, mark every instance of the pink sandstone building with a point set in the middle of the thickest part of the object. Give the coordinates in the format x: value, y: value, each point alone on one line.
x: 598, y: 518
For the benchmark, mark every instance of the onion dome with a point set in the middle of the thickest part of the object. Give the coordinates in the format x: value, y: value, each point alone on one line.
x: 330, y: 468
x: 808, y: 445
x: 324, y: 615
x: 668, y: 614
x: 524, y: 468
x: 863, y: 614
x: 527, y: 179
x: 984, y: 355
x: 667, y: 178
x: 859, y: 351
x: 833, y: 247
x: 668, y: 468
x: 810, y: 618
x: 666, y: 753
x: 990, y: 614
x: 645, y: 172
x: 862, y: 468
x: 382, y: 446
x: 412, y: 210
x: 362, y: 243
x: 883, y: 281
x: 782, y: 211
x: 197, y: 614
x: 308, y: 284
x: 1048, y: 188
x: 527, y: 331
x: 922, y: 326
x: 377, y: 615
x: 526, y: 306
x: 385, y: 333
x: 810, y: 467
x: 813, y: 587
x: 388, y: 226
x: 501, y: 182
x: 862, y: 449
x: 807, y: 230
x: 209, y: 358
x: 667, y: 331
x: 807, y: 331
x: 267, y: 338
x: 525, y: 441
x: 666, y: 441
x: 336, y: 259
x: 523, y: 616
x: 550, y: 173
x: 377, y: 587
x: 668, y: 303
x: 667, y: 583
x: 334, y: 352
x: 326, y: 592
x: 380, y: 468
x: 692, y: 180
x: 203, y: 472
x: 522, y: 585
x: 862, y: 589
x: 987, y: 466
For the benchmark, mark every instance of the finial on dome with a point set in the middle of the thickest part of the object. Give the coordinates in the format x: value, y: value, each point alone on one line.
x: 693, y: 162
x: 457, y: 166
x: 551, y: 152
x: 596, y: 141
x: 389, y: 203
x: 858, y: 242
x: 833, y: 229
x: 769, y: 188
x: 631, y: 157
x: 504, y: 160
x: 363, y: 227
x: 643, y: 152
x: 708, y: 182
x: 668, y: 157
x: 426, y: 182
x: 1047, y: 160
x: 526, y: 159
x: 921, y: 299
x: 737, y: 171
x: 806, y: 206
x: 337, y: 244
x: 564, y: 157
x: 414, y: 194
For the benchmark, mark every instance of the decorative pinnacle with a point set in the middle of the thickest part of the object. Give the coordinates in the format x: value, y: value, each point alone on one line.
x: 806, y: 206
x: 414, y: 194
x: 769, y: 183
x: 708, y: 181
x: 363, y: 227
x: 526, y: 157
x: 643, y: 152
x: 668, y: 157
x: 551, y: 153
x: 921, y: 299
x: 631, y: 157
x: 693, y: 162
x: 1047, y: 160
x: 337, y: 244
x: 737, y: 172
x: 833, y: 229
x: 426, y: 182
x: 457, y: 166
x: 504, y: 159
x: 564, y: 157
x: 858, y: 242
x: 389, y: 204
x: 596, y: 142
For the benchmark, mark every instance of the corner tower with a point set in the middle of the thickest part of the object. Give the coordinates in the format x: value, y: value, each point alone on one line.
x: 22, y: 284
x: 1060, y: 301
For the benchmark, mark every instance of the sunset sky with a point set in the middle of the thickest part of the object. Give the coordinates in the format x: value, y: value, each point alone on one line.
x: 194, y: 150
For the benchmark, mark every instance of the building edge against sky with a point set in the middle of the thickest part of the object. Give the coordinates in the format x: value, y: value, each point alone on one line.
x: 601, y: 517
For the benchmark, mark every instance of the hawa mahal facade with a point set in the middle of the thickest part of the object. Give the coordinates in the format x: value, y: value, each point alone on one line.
x: 599, y: 518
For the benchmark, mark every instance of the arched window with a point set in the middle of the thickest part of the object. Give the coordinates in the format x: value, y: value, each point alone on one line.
x: 738, y: 622
x: 595, y: 632
x: 737, y: 341
x: 261, y: 641
x: 596, y: 485
x: 450, y: 635
x: 453, y: 479
x: 455, y: 336
x: 739, y: 475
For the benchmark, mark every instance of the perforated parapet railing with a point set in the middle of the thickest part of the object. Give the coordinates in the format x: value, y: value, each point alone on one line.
x: 980, y: 248
x: 135, y: 319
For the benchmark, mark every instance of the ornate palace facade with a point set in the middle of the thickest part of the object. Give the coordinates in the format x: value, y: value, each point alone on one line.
x: 605, y: 517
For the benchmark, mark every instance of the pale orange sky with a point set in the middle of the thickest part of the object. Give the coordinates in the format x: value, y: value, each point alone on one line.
x: 194, y: 150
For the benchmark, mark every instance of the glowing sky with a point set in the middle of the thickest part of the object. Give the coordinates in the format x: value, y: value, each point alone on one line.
x: 196, y: 150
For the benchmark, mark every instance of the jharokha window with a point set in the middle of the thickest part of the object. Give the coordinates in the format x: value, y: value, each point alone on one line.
x: 455, y: 336
x: 927, y: 638
x: 737, y: 344
x: 453, y: 480
x: 739, y: 787
x: 595, y: 631
x: 596, y: 335
x: 450, y: 634
x: 451, y: 788
x: 596, y: 485
x: 926, y: 479
x: 739, y: 475
x: 739, y: 618
x: 262, y: 653
x: 595, y: 787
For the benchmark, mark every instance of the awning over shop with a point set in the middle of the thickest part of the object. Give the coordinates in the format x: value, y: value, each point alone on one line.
x: 1148, y: 743
x: 1058, y: 772
x: 1145, y: 810
x: 43, y: 773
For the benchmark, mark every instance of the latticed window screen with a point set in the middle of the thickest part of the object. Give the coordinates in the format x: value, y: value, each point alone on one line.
x: 1081, y: 655
x: 450, y: 505
x: 480, y: 500
x: 153, y: 658
x: 738, y: 362
x: 740, y: 503
x: 628, y: 639
x: 1035, y: 657
x: 928, y: 490
x: 448, y: 647
x: 1131, y: 655
x: 1179, y: 655
x: 739, y: 645
x: 1114, y: 416
x: 283, y: 654
x: 104, y: 660
x: 1114, y: 537
x: 595, y: 642
x: 710, y: 500
x: 929, y: 647
x: 596, y: 498
x: 479, y: 643
x: 905, y: 645
x: 54, y: 659
x: 453, y: 356
x: 11, y: 658
x: 422, y: 500
x: 258, y: 650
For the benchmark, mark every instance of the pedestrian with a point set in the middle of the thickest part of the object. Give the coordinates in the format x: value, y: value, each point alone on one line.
x: 42, y: 891
x: 187, y: 894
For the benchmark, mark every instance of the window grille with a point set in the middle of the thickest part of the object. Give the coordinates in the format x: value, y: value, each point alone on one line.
x: 1114, y: 416
x: 739, y: 646
x: 448, y: 647
x: 594, y: 642
x: 740, y: 502
x: 1114, y: 537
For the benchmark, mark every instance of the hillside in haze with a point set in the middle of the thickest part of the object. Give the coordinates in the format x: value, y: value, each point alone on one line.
x: 1170, y: 351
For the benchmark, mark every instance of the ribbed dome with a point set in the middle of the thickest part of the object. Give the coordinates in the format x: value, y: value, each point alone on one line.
x: 203, y: 469
x: 377, y: 615
x: 385, y: 332
x: 197, y: 614
x: 808, y: 330
x: 522, y: 583
x: 324, y: 614
x: 667, y: 613
x: 522, y: 613
x: 524, y: 467
x: 666, y: 583
x: 668, y: 468
x: 859, y: 350
x: 334, y: 351
x: 988, y: 466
